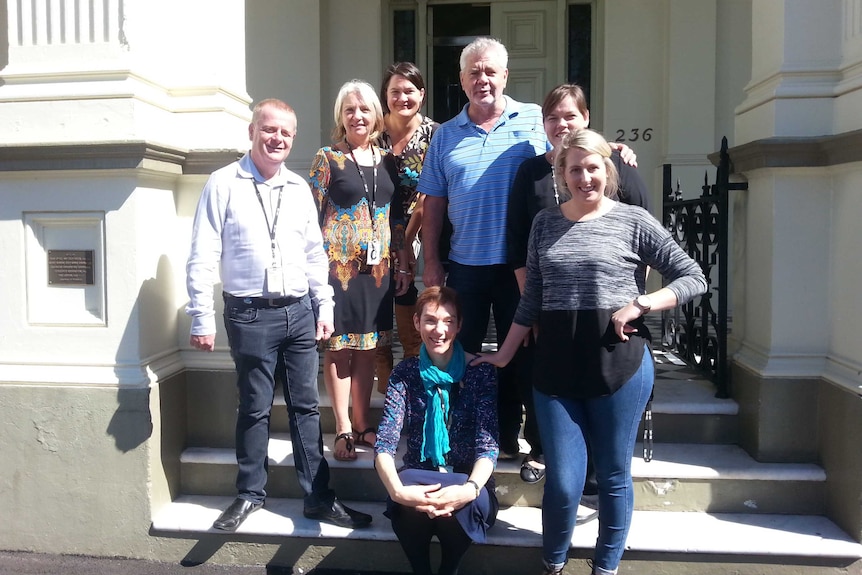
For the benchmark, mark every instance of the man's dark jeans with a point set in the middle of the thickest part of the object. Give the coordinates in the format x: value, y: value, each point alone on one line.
x: 483, y: 290
x: 268, y: 344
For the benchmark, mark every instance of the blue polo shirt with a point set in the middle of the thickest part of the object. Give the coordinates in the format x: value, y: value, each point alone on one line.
x: 474, y: 169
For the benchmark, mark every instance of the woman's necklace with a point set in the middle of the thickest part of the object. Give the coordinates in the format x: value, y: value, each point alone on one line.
x: 554, y: 177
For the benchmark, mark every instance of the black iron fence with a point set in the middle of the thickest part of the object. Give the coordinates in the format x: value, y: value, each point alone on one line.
x: 697, y: 331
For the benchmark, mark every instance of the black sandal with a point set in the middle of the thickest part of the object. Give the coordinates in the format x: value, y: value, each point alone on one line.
x: 530, y: 474
x: 359, y: 437
x: 348, y: 440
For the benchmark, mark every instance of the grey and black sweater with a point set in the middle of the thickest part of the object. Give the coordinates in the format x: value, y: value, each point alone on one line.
x: 578, y: 275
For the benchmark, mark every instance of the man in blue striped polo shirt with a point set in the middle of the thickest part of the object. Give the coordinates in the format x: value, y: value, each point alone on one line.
x: 468, y: 170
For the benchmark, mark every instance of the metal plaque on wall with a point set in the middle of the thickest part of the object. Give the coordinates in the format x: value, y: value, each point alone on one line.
x: 71, y: 267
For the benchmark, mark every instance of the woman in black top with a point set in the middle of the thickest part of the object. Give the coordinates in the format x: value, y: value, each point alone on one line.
x: 585, y: 288
x: 564, y: 110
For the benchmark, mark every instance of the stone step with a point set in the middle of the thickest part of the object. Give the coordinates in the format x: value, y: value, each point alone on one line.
x: 681, y: 477
x: 684, y: 411
x: 659, y: 541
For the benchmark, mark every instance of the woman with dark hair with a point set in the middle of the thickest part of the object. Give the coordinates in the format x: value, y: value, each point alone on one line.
x: 447, y: 412
x: 407, y: 134
x: 593, y: 373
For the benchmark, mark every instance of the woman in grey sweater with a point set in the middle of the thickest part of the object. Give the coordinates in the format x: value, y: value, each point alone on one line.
x: 586, y: 293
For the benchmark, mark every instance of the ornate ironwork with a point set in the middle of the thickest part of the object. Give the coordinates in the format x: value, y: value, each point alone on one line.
x: 697, y: 331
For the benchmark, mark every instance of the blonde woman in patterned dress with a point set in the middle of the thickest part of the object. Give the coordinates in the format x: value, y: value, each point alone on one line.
x: 353, y: 182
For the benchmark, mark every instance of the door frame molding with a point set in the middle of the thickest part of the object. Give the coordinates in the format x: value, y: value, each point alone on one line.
x: 424, y: 38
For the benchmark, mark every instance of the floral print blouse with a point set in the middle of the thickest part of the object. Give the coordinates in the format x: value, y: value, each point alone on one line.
x: 472, y: 416
x: 409, y: 164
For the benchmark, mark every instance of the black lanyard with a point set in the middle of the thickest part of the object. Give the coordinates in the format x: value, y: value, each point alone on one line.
x: 274, y: 217
x: 372, y: 206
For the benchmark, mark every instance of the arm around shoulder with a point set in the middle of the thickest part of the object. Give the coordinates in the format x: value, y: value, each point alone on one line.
x: 633, y: 190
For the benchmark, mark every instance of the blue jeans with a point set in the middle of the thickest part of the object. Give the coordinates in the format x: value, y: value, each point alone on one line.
x: 269, y: 344
x: 610, y: 425
x: 482, y: 289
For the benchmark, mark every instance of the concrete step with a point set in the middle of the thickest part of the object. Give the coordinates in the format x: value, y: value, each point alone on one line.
x: 659, y: 541
x: 685, y: 410
x: 681, y: 477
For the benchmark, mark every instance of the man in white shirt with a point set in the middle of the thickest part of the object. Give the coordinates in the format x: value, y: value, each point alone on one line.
x: 256, y: 229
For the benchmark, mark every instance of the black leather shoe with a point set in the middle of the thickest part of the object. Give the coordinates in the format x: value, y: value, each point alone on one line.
x: 234, y: 515
x: 530, y: 473
x: 338, y: 514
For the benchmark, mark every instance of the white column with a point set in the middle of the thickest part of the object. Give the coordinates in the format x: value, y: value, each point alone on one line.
x: 156, y: 70
x: 805, y: 79
x: 59, y: 22
x: 796, y: 66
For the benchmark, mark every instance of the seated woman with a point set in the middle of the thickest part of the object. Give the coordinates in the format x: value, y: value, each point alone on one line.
x: 447, y: 411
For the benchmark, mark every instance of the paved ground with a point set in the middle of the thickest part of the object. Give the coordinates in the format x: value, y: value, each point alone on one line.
x: 41, y: 564
x: 15, y: 563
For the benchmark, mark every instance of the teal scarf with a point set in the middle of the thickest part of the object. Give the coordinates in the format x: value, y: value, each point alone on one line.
x: 435, y: 441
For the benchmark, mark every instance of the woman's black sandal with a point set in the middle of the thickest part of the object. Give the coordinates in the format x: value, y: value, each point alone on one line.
x: 359, y: 436
x: 529, y: 473
x: 351, y: 450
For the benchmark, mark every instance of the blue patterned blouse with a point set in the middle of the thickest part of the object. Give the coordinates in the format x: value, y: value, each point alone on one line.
x: 472, y: 416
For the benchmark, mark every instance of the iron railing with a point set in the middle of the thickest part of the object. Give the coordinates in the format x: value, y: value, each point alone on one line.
x: 697, y: 331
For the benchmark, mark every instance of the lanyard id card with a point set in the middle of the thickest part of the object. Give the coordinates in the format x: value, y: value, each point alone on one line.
x: 373, y: 252
x: 274, y: 280
x: 273, y: 276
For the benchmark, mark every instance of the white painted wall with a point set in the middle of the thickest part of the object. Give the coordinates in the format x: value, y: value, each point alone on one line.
x: 303, y: 51
x: 352, y: 33
x: 800, y: 299
x: 733, y: 63
x: 140, y: 262
x: 168, y: 72
x: 849, y: 89
x: 798, y: 53
x: 845, y: 278
x: 635, y: 76
x: 283, y: 47
x: 678, y: 67
x: 754, y: 308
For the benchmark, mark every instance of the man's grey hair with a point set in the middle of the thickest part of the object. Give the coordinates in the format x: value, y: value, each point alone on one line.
x: 482, y: 46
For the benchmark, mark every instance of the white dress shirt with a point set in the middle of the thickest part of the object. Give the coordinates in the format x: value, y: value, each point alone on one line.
x: 231, y: 240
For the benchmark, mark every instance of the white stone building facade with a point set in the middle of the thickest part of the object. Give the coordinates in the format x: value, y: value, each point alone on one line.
x: 113, y: 112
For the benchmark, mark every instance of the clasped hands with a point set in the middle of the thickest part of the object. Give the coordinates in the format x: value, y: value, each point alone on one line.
x: 435, y: 501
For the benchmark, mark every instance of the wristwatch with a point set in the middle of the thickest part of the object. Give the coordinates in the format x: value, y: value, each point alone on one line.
x: 643, y: 303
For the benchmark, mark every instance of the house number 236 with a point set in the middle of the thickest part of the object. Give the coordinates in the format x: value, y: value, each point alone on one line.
x: 634, y: 134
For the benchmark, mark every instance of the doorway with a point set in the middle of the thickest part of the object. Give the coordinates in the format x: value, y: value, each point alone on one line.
x: 453, y: 27
x: 549, y: 42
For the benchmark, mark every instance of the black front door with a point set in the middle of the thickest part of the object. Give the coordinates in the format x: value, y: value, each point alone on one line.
x: 454, y: 26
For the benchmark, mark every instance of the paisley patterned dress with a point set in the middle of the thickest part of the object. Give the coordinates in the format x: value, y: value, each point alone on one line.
x: 363, y: 292
x: 409, y: 164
